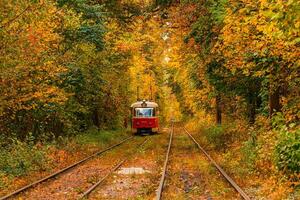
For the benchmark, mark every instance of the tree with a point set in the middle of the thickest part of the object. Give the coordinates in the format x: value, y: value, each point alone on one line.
x: 259, y: 38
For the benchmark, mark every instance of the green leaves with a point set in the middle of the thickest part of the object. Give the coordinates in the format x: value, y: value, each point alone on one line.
x: 287, y: 151
x: 163, y: 2
x: 91, y: 19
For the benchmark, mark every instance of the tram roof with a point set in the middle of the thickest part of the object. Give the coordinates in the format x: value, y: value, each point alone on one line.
x: 146, y: 104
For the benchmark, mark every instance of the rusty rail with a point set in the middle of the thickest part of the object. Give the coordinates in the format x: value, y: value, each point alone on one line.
x: 163, y: 176
x: 63, y: 170
x: 113, y: 169
x: 224, y: 174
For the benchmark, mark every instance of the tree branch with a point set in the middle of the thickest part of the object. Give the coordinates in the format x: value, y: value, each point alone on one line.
x: 15, y: 18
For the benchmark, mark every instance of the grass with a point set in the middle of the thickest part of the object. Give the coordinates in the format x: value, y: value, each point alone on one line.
x: 99, y: 138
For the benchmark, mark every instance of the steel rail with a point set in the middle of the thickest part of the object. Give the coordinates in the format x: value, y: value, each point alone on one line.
x: 225, y: 175
x: 63, y: 170
x: 113, y: 169
x: 163, y: 177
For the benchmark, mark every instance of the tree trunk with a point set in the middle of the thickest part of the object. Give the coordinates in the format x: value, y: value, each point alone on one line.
x: 96, y: 119
x: 252, y: 100
x: 125, y: 122
x: 218, y: 109
x: 252, y: 112
x: 274, y: 102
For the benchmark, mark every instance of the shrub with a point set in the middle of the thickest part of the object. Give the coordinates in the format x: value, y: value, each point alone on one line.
x: 287, y: 150
x: 20, y: 158
x: 249, y: 154
x: 216, y: 136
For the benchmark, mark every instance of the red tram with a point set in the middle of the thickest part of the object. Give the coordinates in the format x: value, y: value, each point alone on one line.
x: 144, y: 117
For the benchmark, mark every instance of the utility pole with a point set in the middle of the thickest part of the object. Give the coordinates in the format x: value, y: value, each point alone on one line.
x: 138, y: 93
x: 151, y: 97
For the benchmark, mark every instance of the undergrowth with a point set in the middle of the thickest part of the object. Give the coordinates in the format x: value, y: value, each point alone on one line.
x: 20, y: 158
x: 268, y: 153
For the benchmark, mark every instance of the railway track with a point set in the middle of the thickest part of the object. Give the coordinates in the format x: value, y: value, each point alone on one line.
x: 222, y: 172
x: 113, y: 169
x: 31, y: 185
x: 116, y: 166
x: 164, y: 172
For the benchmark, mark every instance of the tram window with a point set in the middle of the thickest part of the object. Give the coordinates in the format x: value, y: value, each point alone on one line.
x: 144, y: 112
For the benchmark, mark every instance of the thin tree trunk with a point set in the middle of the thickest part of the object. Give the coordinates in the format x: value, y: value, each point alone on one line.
x: 252, y: 100
x: 218, y: 109
x: 96, y: 119
x: 252, y: 113
x: 274, y: 102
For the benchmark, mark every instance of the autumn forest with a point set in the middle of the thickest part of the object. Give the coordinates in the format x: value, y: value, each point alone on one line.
x: 229, y: 70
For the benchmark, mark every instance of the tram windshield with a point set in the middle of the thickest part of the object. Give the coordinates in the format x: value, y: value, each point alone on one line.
x: 144, y: 112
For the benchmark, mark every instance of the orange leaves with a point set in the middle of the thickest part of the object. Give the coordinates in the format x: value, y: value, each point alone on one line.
x: 257, y: 29
x: 57, y: 156
x: 274, y: 189
x: 29, y: 66
x: 123, y: 47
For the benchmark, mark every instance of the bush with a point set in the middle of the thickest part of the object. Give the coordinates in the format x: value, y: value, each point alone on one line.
x: 249, y: 154
x: 20, y: 158
x: 216, y: 136
x: 287, y: 150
